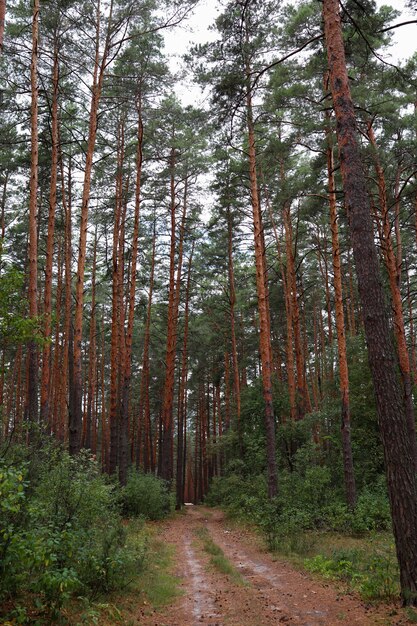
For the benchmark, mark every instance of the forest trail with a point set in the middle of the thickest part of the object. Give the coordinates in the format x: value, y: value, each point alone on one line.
x: 270, y: 592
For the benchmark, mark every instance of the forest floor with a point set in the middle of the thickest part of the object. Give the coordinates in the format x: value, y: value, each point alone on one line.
x: 226, y: 578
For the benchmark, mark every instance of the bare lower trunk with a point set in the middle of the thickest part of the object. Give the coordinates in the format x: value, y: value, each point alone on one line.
x: 264, y: 337
x: 349, y: 475
x: 47, y: 310
x: 127, y: 373
x: 32, y: 394
x: 398, y: 451
x: 98, y: 77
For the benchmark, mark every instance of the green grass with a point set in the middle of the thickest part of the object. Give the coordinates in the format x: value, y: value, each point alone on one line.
x: 218, y: 558
x: 154, y: 588
x: 157, y: 583
x: 366, y: 564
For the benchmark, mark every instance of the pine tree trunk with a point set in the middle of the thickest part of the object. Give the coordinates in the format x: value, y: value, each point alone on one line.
x: 145, y: 414
x: 349, y: 475
x: 98, y: 77
x: 57, y: 364
x: 127, y: 373
x: 105, y: 436
x: 32, y: 393
x: 68, y: 362
x: 115, y: 358
x: 294, y: 310
x: 393, y: 265
x: 47, y: 307
x: 392, y: 420
x: 289, y: 324
x: 173, y: 304
x: 264, y: 337
x: 232, y: 292
x: 182, y: 417
x: 92, y: 369
x: 123, y: 418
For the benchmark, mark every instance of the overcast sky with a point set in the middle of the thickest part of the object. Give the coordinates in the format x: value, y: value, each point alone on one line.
x: 196, y: 30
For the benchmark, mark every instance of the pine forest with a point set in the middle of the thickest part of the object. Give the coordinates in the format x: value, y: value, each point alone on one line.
x: 208, y: 312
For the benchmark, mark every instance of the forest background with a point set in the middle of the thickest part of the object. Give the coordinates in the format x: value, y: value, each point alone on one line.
x: 193, y: 299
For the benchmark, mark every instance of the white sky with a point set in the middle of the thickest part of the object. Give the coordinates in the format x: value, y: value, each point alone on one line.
x: 196, y: 30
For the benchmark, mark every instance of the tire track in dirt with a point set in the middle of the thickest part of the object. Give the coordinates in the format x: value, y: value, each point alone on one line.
x: 203, y: 604
x: 275, y: 593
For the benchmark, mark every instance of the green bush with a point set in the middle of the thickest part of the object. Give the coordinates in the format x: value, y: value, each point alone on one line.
x: 372, y: 511
x: 375, y: 576
x: 146, y: 495
x: 62, y: 533
x: 243, y: 499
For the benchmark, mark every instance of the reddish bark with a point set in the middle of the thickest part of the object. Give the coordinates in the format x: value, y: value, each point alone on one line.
x: 115, y: 358
x: 98, y: 77
x: 264, y: 336
x: 144, y: 413
x: 67, y: 362
x: 127, y: 373
x: 232, y: 299
x: 392, y: 420
x: 32, y: 393
x: 57, y: 356
x: 393, y: 264
x: 289, y: 325
x: 92, y: 358
x: 47, y: 306
x: 349, y: 475
x: 294, y: 309
x: 182, y: 415
x: 166, y: 470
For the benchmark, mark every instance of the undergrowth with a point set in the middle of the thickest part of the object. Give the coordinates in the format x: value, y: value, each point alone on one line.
x: 303, y: 521
x: 62, y: 534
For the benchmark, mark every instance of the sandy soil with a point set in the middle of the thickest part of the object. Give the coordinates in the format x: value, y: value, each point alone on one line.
x: 275, y: 593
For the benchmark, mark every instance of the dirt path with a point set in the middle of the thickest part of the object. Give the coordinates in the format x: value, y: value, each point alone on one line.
x: 272, y: 593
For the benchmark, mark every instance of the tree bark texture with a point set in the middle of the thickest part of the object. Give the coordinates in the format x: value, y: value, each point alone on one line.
x: 32, y: 399
x: 382, y: 358
x: 47, y: 307
x: 349, y: 475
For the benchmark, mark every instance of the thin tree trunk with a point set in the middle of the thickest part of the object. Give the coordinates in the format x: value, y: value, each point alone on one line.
x: 294, y: 309
x: 98, y: 77
x: 349, y: 475
x: 32, y: 397
x: 232, y: 292
x: 57, y: 357
x: 47, y: 306
x: 115, y: 320
x: 123, y: 418
x: 393, y: 265
x: 127, y: 374
x: 264, y: 337
x: 398, y: 450
x: 92, y: 369
x: 144, y: 415
x: 67, y: 361
x: 182, y: 395
x: 105, y: 437
x: 173, y: 304
x: 289, y: 326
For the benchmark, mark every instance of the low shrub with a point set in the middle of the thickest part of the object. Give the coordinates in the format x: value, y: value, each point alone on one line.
x: 146, y: 495
x: 61, y: 534
x: 374, y: 575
